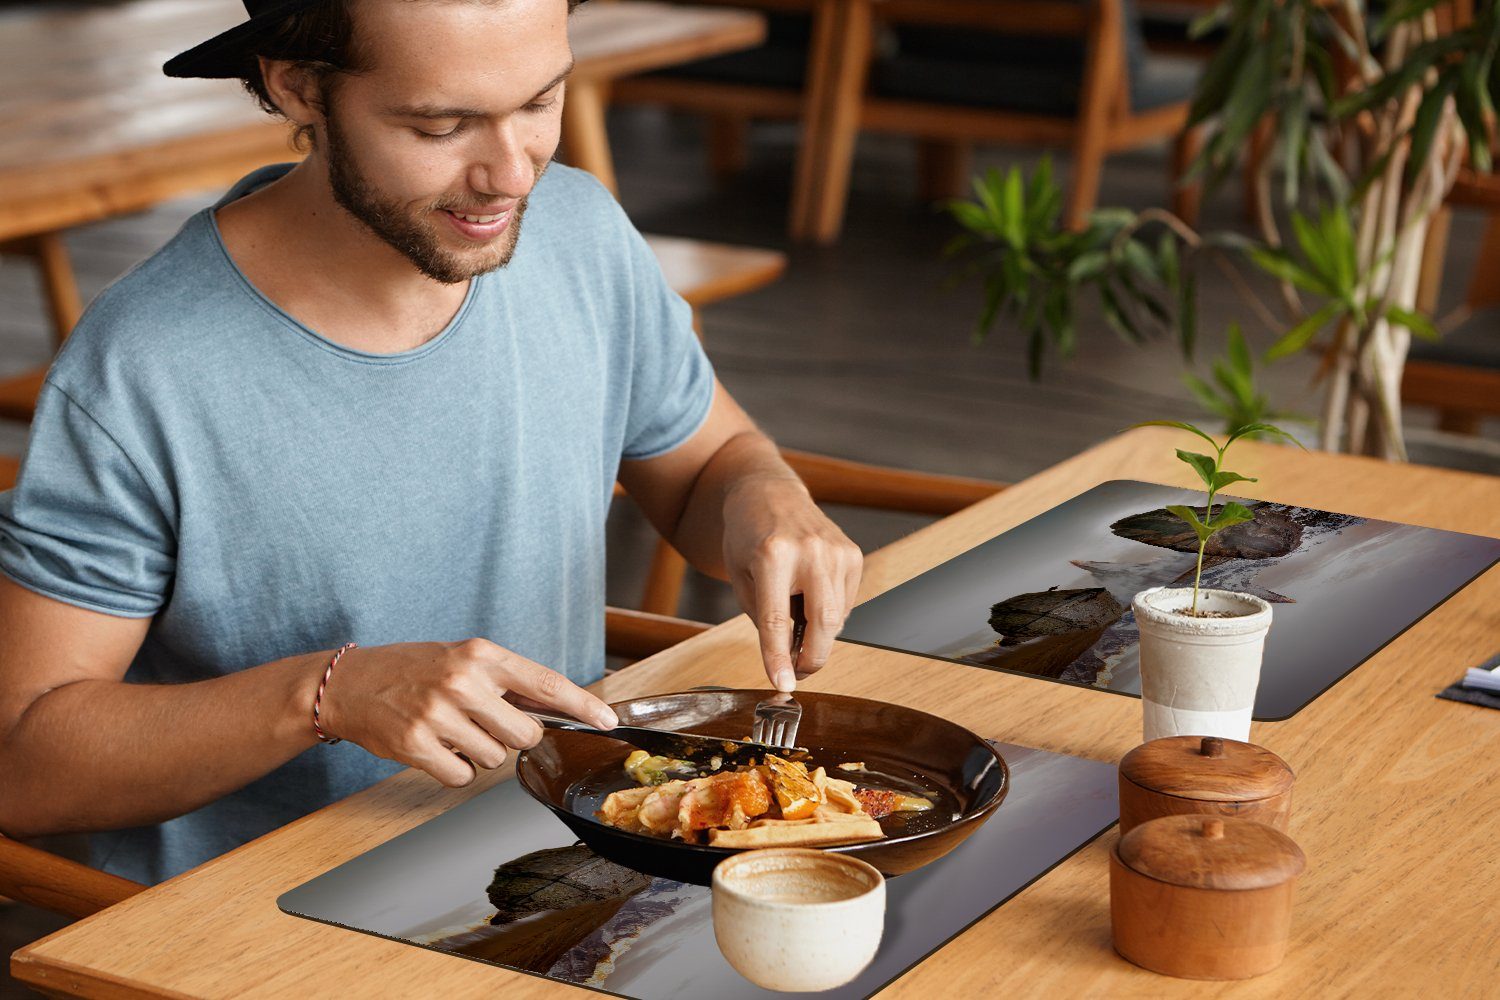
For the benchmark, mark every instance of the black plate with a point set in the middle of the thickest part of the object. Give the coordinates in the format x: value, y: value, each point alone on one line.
x: 571, y: 772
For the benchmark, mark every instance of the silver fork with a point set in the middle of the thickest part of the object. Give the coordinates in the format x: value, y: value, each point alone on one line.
x: 776, y: 722
x: 777, y: 718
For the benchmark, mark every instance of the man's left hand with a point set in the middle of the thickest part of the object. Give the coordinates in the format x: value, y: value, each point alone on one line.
x: 777, y: 544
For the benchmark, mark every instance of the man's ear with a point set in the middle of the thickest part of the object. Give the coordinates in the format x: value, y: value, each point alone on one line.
x: 293, y: 90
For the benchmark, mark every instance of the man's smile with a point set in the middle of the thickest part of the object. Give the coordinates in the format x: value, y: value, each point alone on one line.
x: 476, y: 226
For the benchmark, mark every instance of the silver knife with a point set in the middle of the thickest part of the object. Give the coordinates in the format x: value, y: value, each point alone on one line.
x: 699, y: 750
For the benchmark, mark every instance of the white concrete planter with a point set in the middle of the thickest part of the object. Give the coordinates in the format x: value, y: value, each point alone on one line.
x: 1199, y: 675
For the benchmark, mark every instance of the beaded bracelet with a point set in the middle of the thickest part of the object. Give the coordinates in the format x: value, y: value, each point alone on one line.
x: 318, y: 700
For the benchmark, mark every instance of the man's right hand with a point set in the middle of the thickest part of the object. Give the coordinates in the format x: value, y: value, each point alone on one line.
x: 424, y: 703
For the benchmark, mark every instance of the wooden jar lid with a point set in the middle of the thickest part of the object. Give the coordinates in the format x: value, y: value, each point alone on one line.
x: 1212, y: 852
x: 1208, y: 768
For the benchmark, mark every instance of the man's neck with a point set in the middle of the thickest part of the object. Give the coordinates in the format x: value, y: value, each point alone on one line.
x: 324, y: 268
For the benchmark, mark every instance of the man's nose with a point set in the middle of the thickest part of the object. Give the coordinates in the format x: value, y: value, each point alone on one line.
x: 504, y: 168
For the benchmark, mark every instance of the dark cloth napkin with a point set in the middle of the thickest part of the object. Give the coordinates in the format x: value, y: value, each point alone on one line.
x: 1474, y: 696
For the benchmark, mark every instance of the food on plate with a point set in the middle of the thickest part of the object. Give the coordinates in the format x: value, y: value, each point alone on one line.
x: 646, y: 769
x: 779, y: 803
x: 881, y: 802
x: 796, y: 793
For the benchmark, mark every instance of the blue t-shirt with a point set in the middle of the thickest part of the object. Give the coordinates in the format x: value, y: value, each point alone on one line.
x: 200, y: 456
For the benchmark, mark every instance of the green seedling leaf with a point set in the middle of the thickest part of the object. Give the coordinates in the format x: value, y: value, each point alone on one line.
x: 1179, y: 425
x: 1202, y: 464
x: 1190, y: 515
x: 1230, y: 514
x: 1259, y: 428
x: 1222, y: 479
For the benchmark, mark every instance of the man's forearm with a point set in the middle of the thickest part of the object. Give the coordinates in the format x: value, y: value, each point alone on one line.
x: 96, y: 754
x: 744, y: 458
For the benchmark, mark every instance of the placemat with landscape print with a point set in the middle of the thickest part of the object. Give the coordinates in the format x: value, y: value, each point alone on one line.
x: 467, y: 882
x: 1051, y: 597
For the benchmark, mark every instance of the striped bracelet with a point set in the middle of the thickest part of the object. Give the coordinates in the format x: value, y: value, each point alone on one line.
x: 318, y: 700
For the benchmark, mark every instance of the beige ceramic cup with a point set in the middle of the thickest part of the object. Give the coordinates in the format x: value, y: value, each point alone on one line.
x: 798, y: 920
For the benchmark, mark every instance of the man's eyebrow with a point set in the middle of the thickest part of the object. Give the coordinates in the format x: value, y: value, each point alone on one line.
x: 437, y: 111
x: 559, y: 78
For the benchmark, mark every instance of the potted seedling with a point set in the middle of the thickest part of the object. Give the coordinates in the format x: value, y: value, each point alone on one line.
x: 1200, y: 649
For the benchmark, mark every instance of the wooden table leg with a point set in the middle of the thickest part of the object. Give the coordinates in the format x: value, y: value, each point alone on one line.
x: 821, y: 59
x: 64, y: 304
x: 842, y: 41
x: 1103, y: 82
x: 585, y: 138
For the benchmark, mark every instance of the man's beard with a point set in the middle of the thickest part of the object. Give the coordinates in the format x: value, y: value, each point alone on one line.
x: 413, y: 236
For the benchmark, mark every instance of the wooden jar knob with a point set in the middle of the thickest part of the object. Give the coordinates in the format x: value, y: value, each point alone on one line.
x: 1206, y: 775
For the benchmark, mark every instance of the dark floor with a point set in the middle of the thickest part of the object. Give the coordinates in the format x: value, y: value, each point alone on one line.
x: 860, y: 351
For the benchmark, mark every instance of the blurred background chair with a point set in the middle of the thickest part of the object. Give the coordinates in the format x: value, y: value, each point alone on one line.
x: 950, y: 73
x: 1459, y: 375
x: 57, y: 884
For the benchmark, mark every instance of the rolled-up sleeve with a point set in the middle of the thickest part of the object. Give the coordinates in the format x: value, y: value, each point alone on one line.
x: 83, y: 524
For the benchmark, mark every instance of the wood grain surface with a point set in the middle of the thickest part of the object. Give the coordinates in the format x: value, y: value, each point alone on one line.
x: 1397, y: 799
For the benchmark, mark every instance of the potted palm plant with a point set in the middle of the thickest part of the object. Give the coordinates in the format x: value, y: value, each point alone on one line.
x: 1368, y: 120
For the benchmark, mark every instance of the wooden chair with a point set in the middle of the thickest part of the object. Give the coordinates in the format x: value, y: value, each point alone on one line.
x: 1459, y: 376
x: 956, y: 77
x: 55, y: 884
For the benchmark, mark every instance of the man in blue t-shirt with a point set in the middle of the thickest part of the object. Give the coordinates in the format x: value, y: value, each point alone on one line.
x: 353, y: 403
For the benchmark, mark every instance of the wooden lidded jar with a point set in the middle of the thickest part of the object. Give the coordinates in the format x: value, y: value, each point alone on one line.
x: 1207, y: 775
x: 1203, y: 897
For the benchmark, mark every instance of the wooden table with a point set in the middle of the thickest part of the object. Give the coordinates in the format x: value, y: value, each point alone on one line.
x: 90, y: 127
x: 1397, y: 801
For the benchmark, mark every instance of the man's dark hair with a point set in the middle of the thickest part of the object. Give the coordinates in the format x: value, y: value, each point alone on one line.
x: 320, y: 39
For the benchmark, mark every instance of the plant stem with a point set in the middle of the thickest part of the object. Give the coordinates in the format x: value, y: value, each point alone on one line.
x: 1208, y: 515
x: 1198, y: 574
